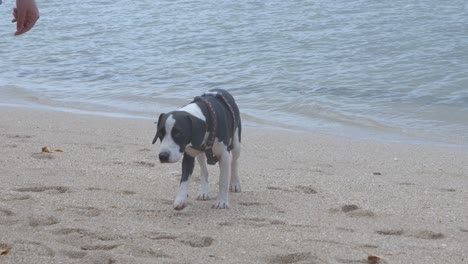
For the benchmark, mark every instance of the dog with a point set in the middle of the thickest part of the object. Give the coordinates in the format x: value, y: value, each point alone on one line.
x: 208, y: 129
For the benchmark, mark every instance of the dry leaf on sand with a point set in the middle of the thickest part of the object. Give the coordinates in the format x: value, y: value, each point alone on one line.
x: 373, y: 259
x: 5, y: 250
x: 46, y: 149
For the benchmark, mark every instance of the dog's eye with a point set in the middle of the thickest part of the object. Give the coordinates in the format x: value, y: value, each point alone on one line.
x: 176, y: 133
x: 161, y: 133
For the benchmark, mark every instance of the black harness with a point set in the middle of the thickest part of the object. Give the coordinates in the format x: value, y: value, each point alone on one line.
x: 213, y: 125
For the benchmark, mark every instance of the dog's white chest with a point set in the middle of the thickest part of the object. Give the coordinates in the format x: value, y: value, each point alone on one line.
x: 192, y: 152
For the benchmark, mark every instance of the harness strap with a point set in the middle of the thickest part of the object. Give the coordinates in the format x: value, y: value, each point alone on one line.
x: 208, y: 146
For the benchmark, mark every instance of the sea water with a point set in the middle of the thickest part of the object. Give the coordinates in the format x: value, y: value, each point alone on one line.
x: 386, y: 70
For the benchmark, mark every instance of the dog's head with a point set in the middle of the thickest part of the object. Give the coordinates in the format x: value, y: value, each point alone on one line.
x: 176, y: 130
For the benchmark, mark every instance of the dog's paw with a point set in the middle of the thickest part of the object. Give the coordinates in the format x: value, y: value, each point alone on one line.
x: 220, y: 204
x: 203, y: 197
x: 235, y: 187
x: 180, y: 204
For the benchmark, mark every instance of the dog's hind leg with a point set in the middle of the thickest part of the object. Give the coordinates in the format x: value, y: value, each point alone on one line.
x: 188, y: 163
x: 204, y: 188
x: 235, y: 185
x: 222, y: 201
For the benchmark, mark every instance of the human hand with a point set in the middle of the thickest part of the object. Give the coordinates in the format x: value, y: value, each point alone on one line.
x: 25, y: 15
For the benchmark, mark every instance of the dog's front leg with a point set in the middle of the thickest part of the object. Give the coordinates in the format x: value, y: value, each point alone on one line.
x: 188, y: 163
x: 204, y: 186
x: 222, y: 201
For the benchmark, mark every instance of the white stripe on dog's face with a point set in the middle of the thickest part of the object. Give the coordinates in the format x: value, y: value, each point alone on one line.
x: 168, y: 144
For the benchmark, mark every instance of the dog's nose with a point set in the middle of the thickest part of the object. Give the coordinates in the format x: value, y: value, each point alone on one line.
x: 164, y: 157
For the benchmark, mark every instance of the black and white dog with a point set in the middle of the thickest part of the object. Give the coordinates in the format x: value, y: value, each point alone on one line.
x: 208, y: 129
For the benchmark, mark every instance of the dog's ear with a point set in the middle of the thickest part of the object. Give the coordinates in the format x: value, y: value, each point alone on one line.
x: 198, y: 131
x: 159, y: 125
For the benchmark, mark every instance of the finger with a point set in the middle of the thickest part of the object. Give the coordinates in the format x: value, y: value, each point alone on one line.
x: 15, y: 14
x: 28, y: 25
x: 20, y: 21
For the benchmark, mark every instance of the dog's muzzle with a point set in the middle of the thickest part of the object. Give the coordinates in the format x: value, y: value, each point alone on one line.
x: 164, y: 157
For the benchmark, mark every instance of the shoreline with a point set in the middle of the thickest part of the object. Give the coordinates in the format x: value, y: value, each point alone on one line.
x: 307, y: 198
x: 330, y: 128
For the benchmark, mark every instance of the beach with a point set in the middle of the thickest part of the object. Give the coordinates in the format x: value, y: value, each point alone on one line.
x: 101, y: 196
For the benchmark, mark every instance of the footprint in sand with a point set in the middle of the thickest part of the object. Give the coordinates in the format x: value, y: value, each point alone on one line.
x: 88, y: 211
x: 368, y: 246
x: 32, y: 247
x: 305, y: 189
x: 350, y: 230
x: 127, y: 192
x: 14, y: 197
x: 94, y: 189
x: 369, y: 260
x: 278, y: 222
x: 79, y: 232
x: 147, y: 212
x: 298, y: 189
x: 6, y: 217
x: 426, y: 234
x: 74, y: 254
x: 67, y: 231
x: 144, y: 164
x: 141, y: 252
x: 275, y: 188
x: 93, y: 245
x: 99, y: 247
x: 98, y: 257
x: 305, y: 257
x: 124, y: 192
x: 390, y: 232
x: 196, y: 240
x: 419, y: 234
x: 447, y: 190
x: 159, y: 236
x: 100, y: 147
x: 255, y: 222
x: 6, y: 212
x: 138, y: 163
x: 42, y: 221
x: 226, y: 223
x: 18, y: 138
x: 47, y: 189
x: 349, y: 208
x: 251, y: 203
x: 353, y: 210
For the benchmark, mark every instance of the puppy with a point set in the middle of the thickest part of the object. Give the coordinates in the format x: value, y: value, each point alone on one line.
x: 208, y: 129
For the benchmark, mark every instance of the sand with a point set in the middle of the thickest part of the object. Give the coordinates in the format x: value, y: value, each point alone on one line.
x: 307, y: 198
